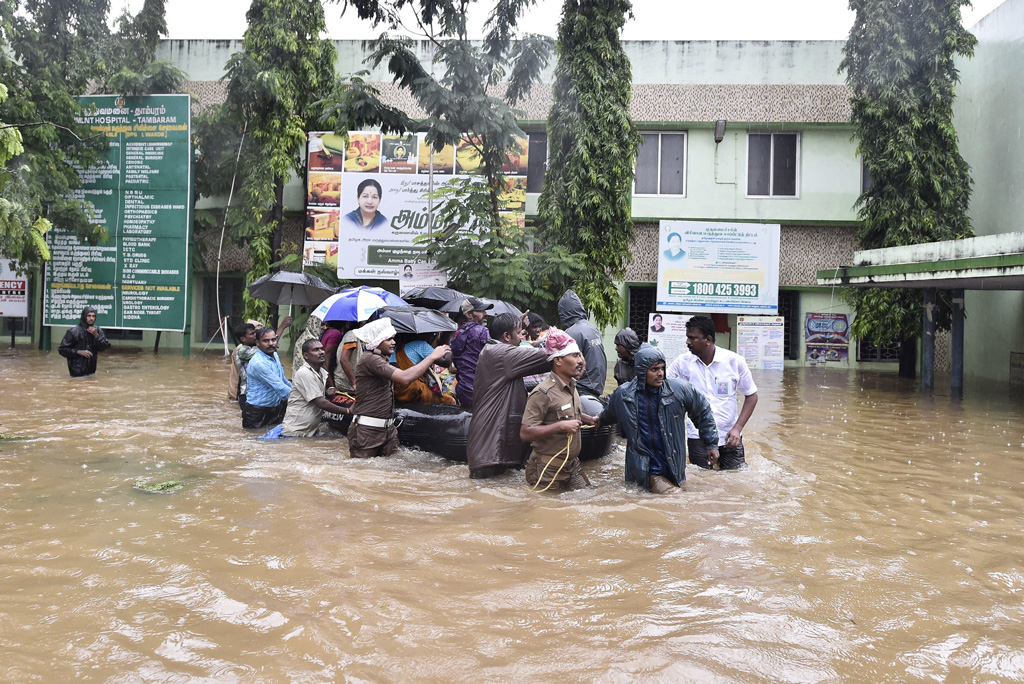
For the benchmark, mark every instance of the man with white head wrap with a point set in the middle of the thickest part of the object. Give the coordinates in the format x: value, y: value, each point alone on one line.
x: 553, y: 418
x: 373, y: 431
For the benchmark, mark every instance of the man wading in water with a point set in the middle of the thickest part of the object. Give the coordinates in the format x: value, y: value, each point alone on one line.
x: 553, y: 418
x: 373, y: 431
x: 82, y: 343
x: 499, y: 397
x: 652, y: 411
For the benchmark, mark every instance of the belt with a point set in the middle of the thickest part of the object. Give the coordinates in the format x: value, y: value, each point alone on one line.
x: 369, y: 421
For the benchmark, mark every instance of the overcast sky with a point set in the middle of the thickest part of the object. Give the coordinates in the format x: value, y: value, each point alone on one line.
x: 654, y: 19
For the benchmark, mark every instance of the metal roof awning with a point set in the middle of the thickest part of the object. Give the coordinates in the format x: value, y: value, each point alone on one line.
x: 990, y: 262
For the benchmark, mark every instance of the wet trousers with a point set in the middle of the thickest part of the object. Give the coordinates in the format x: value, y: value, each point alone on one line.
x: 729, y: 458
x: 368, y: 442
x: 262, y: 416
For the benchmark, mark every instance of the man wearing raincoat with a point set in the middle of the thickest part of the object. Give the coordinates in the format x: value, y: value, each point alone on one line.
x: 82, y: 343
x: 652, y: 411
x: 588, y: 339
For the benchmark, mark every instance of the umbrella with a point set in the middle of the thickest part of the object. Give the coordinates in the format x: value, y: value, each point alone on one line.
x: 356, y: 304
x: 289, y: 287
x: 417, y: 319
x: 499, y: 307
x: 432, y: 297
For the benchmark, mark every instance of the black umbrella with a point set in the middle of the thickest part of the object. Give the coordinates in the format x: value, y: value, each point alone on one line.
x: 289, y: 287
x: 499, y: 307
x: 432, y: 297
x: 416, y: 319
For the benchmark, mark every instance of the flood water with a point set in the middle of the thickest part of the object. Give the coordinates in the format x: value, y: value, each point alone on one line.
x: 876, y: 537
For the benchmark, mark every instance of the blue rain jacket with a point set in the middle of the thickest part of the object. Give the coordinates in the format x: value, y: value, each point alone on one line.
x: 678, y: 399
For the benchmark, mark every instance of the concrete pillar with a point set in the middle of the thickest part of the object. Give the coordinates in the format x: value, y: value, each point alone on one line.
x: 928, y: 341
x: 958, y: 344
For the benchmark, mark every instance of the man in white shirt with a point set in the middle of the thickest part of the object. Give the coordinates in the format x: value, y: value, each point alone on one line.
x: 718, y: 374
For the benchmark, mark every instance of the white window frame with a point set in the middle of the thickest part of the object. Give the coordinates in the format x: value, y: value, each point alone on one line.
x: 686, y: 154
x: 771, y: 166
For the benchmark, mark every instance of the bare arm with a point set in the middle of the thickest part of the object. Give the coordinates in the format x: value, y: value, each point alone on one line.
x: 535, y: 432
x: 732, y: 439
x: 325, y: 404
x: 404, y: 377
x: 346, y: 365
x: 285, y: 322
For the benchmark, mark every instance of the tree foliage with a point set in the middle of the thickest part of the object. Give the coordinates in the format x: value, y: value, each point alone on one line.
x: 51, y: 52
x: 468, y: 91
x: 499, y: 260
x: 592, y: 145
x: 285, y: 66
x: 900, y: 64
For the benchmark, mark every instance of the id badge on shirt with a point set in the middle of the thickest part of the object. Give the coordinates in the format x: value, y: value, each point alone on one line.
x: 723, y: 388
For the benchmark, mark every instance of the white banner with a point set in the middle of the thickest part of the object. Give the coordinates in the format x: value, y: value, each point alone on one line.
x: 709, y: 267
x: 13, y: 292
x: 366, y: 202
x: 760, y: 340
x: 667, y: 332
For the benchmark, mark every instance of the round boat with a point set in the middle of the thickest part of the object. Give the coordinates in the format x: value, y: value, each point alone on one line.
x: 444, y: 430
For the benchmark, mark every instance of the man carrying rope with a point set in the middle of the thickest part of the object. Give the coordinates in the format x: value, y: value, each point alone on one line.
x: 553, y: 419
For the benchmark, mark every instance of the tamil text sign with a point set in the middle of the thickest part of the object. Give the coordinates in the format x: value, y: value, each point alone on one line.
x: 141, y: 192
x: 709, y: 267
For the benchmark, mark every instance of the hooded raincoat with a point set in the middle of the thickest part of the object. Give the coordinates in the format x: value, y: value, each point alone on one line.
x: 79, y: 339
x: 678, y: 399
x: 499, y: 399
x: 624, y: 370
x: 588, y: 337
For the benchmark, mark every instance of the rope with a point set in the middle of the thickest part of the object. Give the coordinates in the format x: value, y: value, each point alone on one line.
x: 540, y: 478
x: 223, y: 227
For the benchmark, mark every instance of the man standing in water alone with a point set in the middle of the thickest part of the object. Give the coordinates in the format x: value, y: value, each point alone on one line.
x: 652, y: 412
x: 82, y: 343
x: 499, y: 398
x: 267, y: 391
x: 717, y: 374
x: 553, y: 418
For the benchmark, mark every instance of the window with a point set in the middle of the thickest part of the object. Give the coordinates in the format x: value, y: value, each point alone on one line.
x: 867, y: 351
x: 866, y: 181
x: 642, y: 301
x: 772, y: 161
x: 230, y: 305
x: 789, y: 310
x: 661, y: 165
x: 536, y: 161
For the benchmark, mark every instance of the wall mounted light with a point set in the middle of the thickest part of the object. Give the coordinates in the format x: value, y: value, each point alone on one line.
x: 719, y: 131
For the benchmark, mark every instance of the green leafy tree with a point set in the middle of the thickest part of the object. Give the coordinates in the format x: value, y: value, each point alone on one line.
x: 132, y: 66
x: 499, y: 260
x: 592, y: 144
x: 286, y: 65
x: 469, y: 93
x: 899, y: 63
x: 52, y: 51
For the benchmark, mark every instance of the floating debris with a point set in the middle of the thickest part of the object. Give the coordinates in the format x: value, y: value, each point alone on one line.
x: 164, y: 487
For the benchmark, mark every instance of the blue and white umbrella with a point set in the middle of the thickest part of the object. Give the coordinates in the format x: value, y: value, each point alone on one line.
x: 356, y: 304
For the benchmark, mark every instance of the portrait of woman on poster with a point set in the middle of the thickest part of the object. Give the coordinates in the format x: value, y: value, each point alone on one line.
x: 366, y: 216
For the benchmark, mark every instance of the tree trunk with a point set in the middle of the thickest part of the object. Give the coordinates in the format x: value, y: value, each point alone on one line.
x: 908, y: 359
x: 277, y: 216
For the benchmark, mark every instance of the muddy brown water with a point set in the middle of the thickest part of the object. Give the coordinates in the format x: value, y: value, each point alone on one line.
x: 875, y: 537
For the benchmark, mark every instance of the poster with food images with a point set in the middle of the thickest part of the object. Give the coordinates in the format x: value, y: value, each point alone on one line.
x: 366, y: 201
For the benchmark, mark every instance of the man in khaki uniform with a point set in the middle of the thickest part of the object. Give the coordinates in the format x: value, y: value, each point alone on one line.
x: 553, y: 418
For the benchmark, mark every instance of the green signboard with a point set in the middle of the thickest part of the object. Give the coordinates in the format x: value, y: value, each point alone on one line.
x: 138, y: 279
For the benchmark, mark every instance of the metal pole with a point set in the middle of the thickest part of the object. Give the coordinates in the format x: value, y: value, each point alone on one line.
x: 958, y: 344
x: 928, y: 341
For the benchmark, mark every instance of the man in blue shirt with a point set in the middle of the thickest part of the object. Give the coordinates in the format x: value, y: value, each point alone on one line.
x: 267, y: 391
